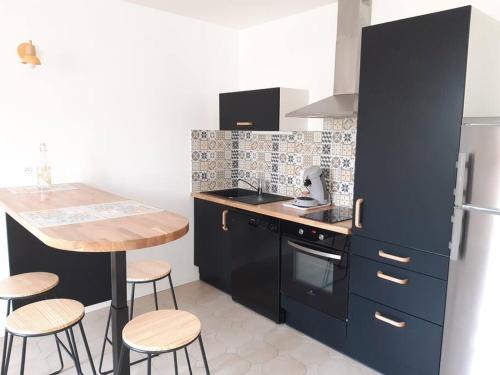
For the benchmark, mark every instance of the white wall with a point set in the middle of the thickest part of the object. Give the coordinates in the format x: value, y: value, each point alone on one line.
x: 296, y: 51
x: 390, y: 10
x: 119, y: 88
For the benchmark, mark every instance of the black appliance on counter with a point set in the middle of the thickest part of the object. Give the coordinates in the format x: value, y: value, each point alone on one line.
x: 255, y: 263
x: 315, y: 281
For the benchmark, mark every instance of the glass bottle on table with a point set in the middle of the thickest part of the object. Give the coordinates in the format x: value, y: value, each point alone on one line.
x: 43, y: 171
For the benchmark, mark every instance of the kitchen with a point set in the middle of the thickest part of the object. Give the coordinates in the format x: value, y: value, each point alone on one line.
x: 378, y: 280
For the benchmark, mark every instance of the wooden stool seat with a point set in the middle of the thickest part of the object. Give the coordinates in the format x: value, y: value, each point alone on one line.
x: 44, y: 317
x: 144, y: 271
x: 161, y: 331
x: 27, y: 285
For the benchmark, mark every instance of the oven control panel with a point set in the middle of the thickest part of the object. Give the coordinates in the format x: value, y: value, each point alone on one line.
x: 315, y: 235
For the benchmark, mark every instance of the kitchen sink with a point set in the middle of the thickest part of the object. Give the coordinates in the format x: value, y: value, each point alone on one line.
x: 248, y: 196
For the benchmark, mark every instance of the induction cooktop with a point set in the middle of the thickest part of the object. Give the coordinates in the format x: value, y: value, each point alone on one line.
x: 331, y: 215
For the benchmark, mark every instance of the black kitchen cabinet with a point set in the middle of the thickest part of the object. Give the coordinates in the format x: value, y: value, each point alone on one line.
x: 403, y: 257
x: 408, y: 291
x: 212, y: 244
x: 250, y: 110
x: 261, y: 110
x: 391, y: 341
x: 411, y: 100
x: 410, y: 110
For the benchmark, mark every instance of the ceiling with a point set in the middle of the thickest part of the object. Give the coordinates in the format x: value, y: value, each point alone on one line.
x: 237, y: 14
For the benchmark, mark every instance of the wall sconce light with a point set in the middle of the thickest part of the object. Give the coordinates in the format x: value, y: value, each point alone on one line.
x: 27, y: 53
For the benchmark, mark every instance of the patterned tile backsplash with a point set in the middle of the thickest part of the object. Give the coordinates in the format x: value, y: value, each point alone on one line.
x: 220, y: 158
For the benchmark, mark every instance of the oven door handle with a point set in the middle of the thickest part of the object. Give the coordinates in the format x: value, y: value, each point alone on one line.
x: 314, y: 252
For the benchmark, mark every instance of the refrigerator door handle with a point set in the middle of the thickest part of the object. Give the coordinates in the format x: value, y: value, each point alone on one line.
x: 456, y: 232
x: 486, y: 210
x: 461, y: 183
x: 458, y: 213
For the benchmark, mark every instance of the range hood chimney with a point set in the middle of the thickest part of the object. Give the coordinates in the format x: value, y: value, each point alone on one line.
x: 352, y: 16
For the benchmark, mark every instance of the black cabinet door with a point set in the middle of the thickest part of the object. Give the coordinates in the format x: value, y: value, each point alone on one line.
x: 250, y: 110
x: 410, y: 110
x: 391, y: 341
x: 212, y: 244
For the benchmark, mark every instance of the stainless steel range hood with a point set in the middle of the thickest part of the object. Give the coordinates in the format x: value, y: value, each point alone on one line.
x: 352, y: 16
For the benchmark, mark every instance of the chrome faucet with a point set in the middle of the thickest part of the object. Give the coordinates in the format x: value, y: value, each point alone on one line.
x: 258, y: 188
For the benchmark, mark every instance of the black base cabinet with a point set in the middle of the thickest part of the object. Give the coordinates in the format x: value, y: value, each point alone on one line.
x: 421, y: 295
x: 212, y: 244
x: 413, y: 347
x: 316, y: 324
x: 238, y: 252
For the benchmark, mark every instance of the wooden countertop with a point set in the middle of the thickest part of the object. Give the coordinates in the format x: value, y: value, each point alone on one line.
x: 279, y: 211
x: 115, y: 234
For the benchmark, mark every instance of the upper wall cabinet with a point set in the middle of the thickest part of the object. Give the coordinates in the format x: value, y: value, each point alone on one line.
x: 262, y: 110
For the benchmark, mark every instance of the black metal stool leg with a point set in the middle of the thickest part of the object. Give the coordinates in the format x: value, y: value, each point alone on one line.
x: 188, y: 361
x: 204, y: 355
x: 104, y: 345
x: 5, y: 369
x: 5, y: 337
x: 173, y: 291
x: 73, y: 354
x: 87, y: 348
x: 77, y: 357
x: 23, y: 356
x: 156, y: 295
x: 60, y: 357
x: 132, y: 298
x: 175, y: 363
x: 9, y: 303
x: 149, y: 364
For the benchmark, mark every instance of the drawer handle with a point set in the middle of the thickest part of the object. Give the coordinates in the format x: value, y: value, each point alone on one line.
x: 357, y: 213
x: 392, y: 279
x: 244, y: 123
x: 383, y: 254
x: 224, y: 220
x: 384, y: 319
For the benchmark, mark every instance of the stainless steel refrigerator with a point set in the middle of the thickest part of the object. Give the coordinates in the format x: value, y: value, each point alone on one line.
x: 472, y: 320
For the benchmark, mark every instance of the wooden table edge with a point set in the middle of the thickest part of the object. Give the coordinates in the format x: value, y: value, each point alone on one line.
x: 97, y: 247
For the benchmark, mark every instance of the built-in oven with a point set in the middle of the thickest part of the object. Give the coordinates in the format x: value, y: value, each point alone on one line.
x: 314, y: 268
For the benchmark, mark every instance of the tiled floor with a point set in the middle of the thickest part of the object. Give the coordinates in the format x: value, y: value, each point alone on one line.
x: 237, y: 341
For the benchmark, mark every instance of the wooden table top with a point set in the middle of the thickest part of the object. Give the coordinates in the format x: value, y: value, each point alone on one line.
x: 279, y: 211
x: 116, y: 234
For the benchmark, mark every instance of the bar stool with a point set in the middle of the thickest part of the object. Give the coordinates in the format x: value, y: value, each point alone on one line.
x: 142, y: 272
x: 25, y: 286
x: 44, y: 318
x: 162, y: 331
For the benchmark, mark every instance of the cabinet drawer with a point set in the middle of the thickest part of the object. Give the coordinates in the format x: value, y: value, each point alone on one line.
x: 412, y: 348
x: 408, y: 291
x: 250, y: 110
x: 415, y: 260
